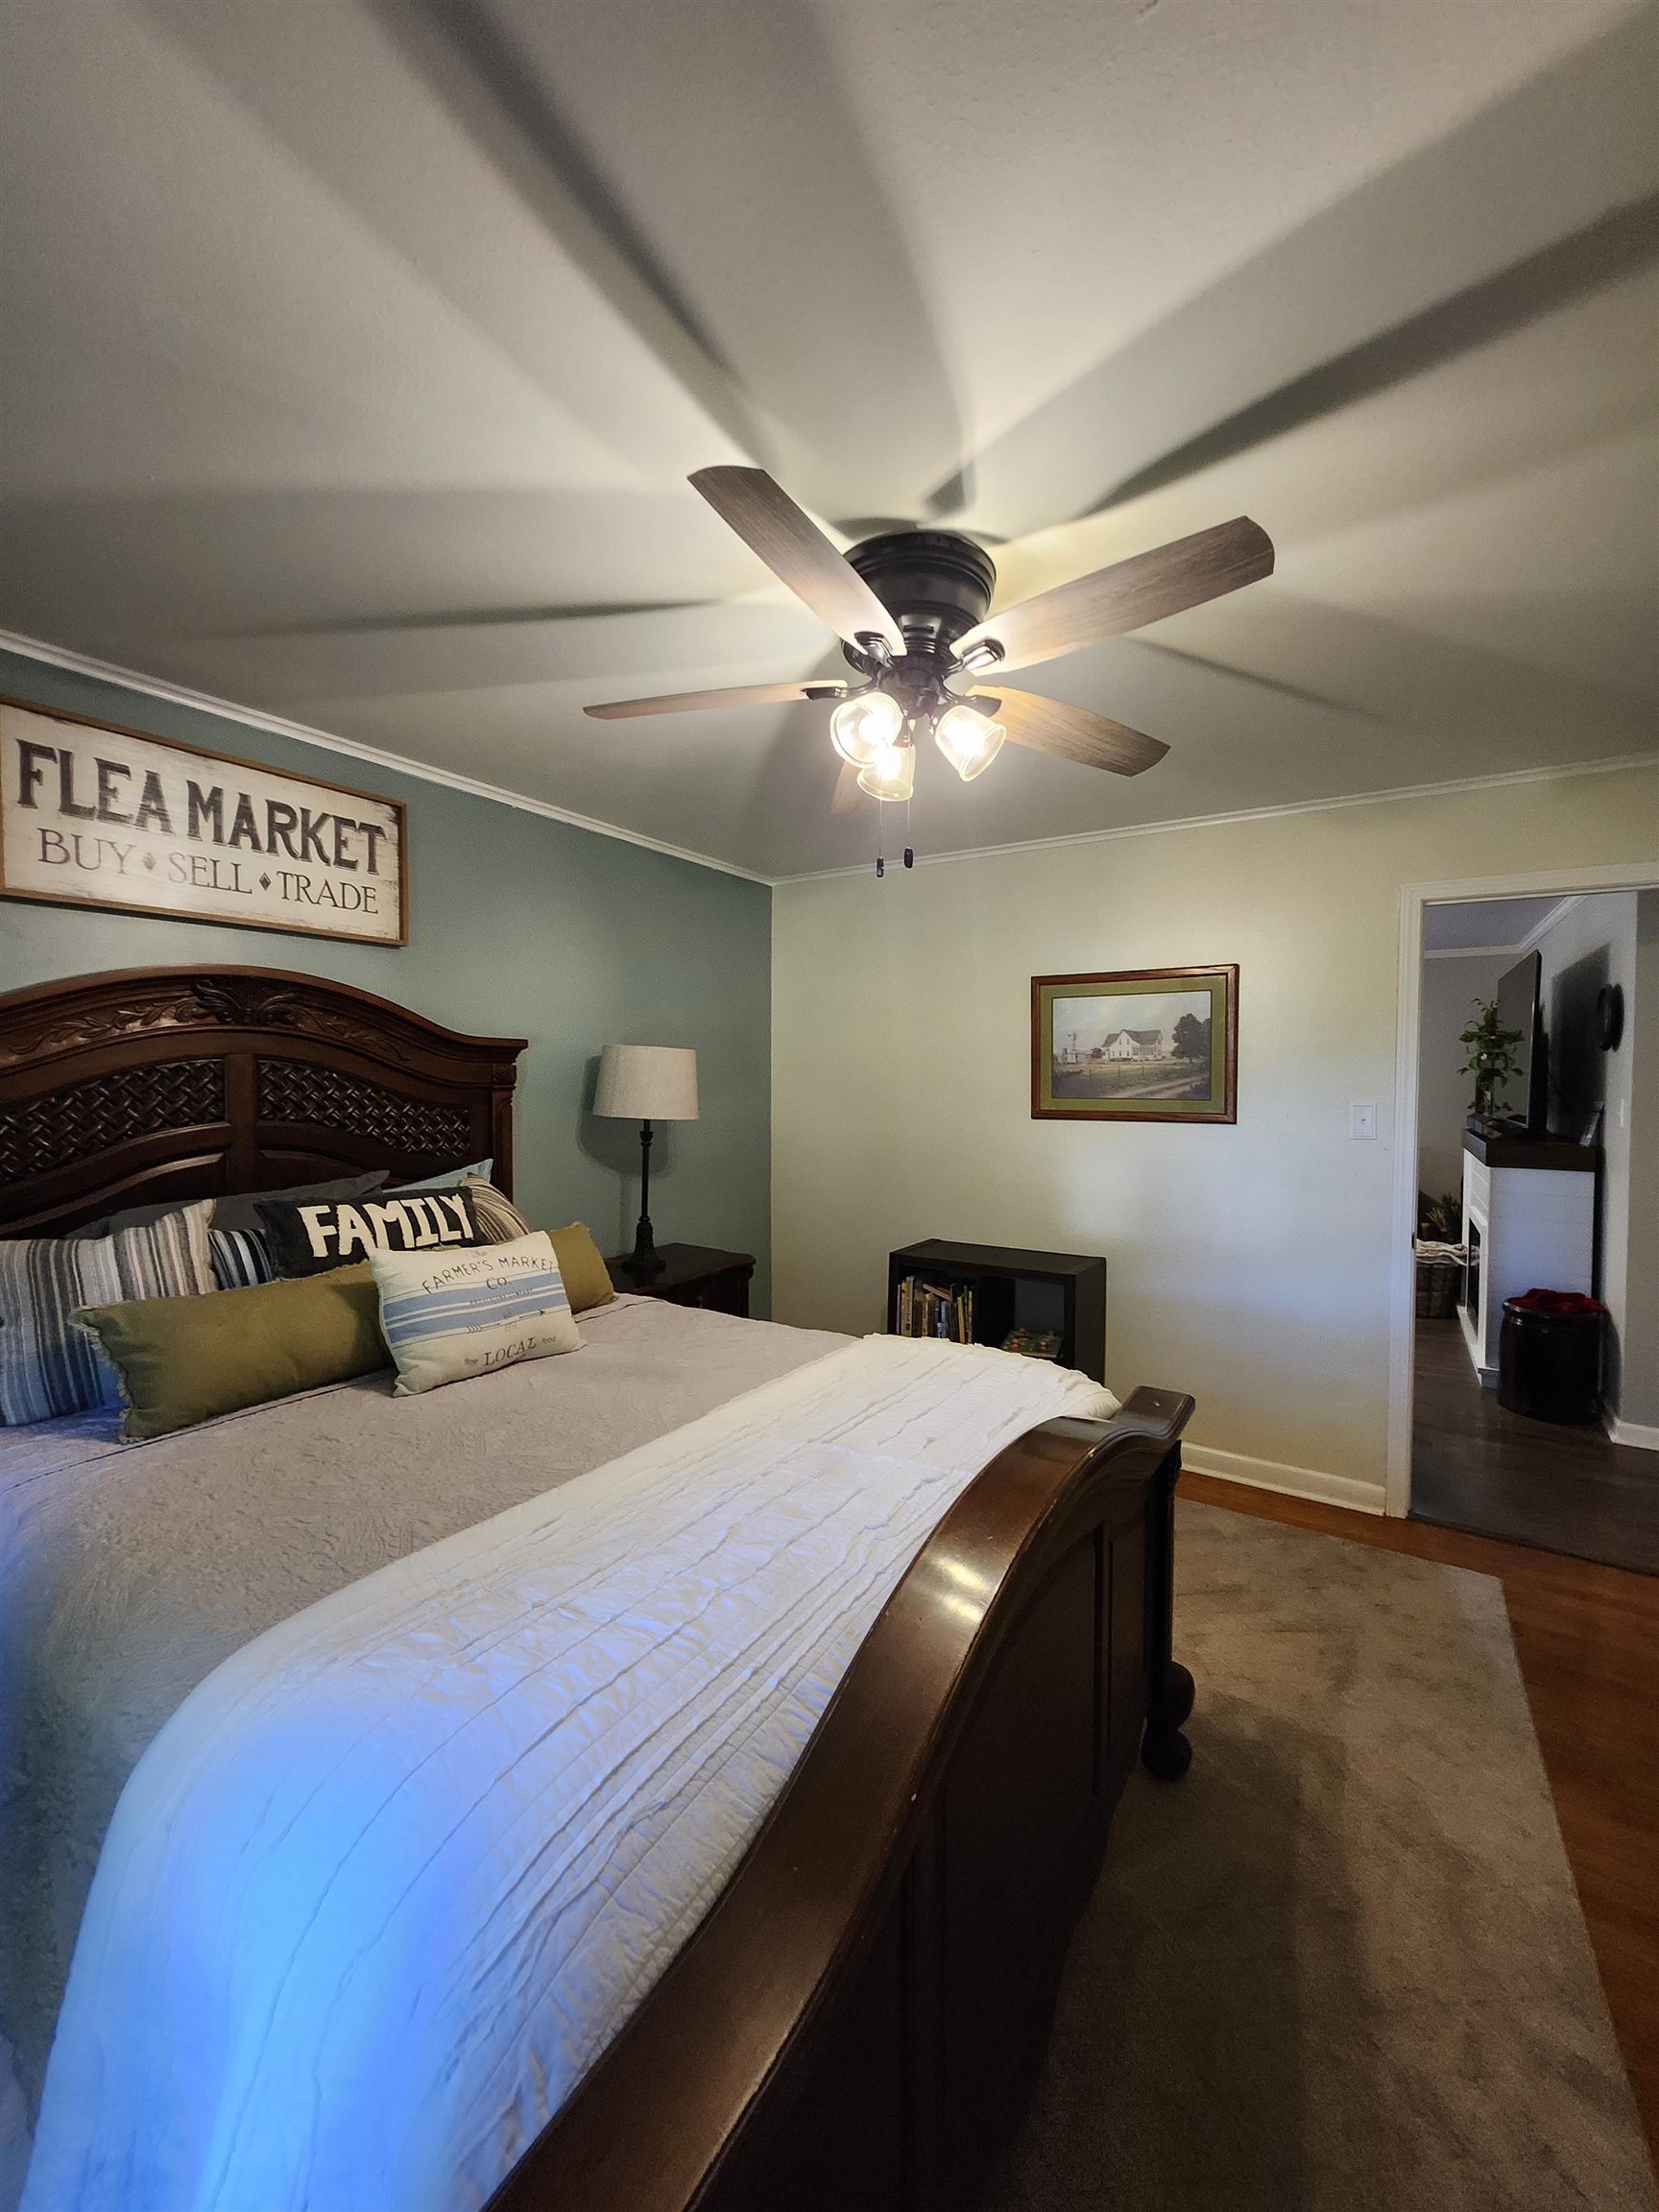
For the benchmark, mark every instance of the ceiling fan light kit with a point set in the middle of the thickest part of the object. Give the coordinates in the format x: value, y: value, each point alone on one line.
x: 865, y: 726
x: 912, y: 611
x: 892, y: 774
x: 968, y: 739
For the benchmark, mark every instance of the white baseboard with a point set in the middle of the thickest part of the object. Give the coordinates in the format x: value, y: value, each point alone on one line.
x: 1644, y: 1438
x: 1292, y: 1481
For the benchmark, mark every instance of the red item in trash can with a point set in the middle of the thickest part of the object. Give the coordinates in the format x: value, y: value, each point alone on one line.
x: 1556, y: 1301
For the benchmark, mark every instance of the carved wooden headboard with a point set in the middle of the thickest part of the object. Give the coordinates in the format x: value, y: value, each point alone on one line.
x: 154, y: 1082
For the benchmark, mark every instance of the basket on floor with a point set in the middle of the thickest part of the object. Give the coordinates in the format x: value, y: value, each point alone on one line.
x: 1439, y: 1281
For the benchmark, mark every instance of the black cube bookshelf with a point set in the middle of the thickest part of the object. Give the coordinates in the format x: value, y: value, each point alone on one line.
x: 1064, y: 1292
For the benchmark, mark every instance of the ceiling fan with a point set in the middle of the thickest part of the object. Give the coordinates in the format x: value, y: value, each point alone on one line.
x: 910, y: 608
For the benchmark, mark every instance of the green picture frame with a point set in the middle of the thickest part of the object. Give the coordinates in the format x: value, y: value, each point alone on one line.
x: 1137, y: 1044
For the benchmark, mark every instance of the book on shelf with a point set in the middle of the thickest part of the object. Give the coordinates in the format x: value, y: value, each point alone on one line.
x: 933, y: 1310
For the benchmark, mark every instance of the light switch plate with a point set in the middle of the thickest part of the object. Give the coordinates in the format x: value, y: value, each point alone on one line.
x: 1362, y: 1120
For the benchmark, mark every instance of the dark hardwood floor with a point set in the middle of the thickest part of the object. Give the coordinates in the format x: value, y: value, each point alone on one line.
x: 1474, y: 1466
x: 1588, y: 1641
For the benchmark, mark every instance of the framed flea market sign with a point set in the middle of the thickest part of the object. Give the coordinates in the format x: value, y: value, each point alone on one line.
x: 93, y: 815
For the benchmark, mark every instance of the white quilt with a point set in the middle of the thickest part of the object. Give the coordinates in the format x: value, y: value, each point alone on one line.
x: 393, y: 1874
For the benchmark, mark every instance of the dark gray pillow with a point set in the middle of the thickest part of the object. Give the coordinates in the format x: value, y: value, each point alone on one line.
x: 236, y: 1211
x: 132, y: 1218
x: 241, y: 1212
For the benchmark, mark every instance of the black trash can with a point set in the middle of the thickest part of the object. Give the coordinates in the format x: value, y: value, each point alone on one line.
x: 1549, y: 1355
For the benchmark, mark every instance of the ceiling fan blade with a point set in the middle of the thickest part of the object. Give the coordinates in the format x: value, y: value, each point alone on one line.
x: 1073, y: 733
x: 693, y: 701
x: 798, y: 553
x: 847, y: 791
x: 1143, y: 588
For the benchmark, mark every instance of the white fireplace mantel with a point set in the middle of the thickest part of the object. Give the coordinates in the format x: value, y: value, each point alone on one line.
x: 1529, y: 1223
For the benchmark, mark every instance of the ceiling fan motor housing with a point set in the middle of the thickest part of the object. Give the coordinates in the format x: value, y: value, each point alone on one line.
x: 936, y: 586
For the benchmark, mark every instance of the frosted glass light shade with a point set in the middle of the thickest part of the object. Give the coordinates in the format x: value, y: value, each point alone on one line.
x: 970, y: 741
x: 861, y: 728
x: 647, y: 1083
x: 891, y: 774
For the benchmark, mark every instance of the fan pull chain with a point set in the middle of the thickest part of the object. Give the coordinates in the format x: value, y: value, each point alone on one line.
x: 882, y: 839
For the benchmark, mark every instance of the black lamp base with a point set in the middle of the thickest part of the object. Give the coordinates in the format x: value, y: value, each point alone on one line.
x: 644, y: 1263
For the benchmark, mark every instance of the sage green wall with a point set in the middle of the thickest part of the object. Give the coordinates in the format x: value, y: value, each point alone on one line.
x: 518, y: 926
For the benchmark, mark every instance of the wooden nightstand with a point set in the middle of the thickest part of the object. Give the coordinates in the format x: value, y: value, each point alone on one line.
x: 695, y: 1275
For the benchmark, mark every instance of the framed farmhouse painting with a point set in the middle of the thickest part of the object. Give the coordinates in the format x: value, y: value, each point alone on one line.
x: 1147, y: 1045
x: 95, y: 815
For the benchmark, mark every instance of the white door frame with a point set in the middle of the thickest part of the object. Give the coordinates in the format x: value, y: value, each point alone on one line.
x: 1536, y: 882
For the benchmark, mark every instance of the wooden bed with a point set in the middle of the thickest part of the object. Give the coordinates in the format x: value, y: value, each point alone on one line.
x: 163, y: 1083
x: 858, y: 2020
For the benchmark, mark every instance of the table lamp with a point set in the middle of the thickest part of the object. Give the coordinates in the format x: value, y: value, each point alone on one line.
x: 646, y: 1083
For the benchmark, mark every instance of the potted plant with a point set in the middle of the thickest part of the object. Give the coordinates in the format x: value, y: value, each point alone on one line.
x: 1491, y: 1060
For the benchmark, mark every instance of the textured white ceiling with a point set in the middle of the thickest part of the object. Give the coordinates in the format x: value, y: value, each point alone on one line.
x: 355, y: 351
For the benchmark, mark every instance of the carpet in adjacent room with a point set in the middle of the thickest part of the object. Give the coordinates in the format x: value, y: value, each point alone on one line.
x: 1341, y: 1967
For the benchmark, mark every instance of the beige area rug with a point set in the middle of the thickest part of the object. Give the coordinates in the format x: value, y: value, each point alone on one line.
x: 1341, y: 1967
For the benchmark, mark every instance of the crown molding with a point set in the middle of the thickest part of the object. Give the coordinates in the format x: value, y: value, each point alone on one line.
x: 375, y: 756
x: 378, y: 756
x: 1524, y: 943
x: 1542, y: 929
x: 1405, y: 791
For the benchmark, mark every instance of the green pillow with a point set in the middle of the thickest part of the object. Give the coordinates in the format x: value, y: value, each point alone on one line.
x: 182, y: 1360
x: 586, y: 1278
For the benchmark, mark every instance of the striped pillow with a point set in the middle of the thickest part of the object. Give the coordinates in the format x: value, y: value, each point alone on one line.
x: 446, y: 1315
x: 497, y: 1217
x: 48, y: 1366
x: 241, y: 1259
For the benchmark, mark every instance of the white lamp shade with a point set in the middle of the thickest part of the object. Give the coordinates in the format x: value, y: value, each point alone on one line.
x: 647, y: 1083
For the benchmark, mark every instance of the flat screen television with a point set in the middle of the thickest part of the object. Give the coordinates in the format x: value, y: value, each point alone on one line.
x: 1523, y: 1101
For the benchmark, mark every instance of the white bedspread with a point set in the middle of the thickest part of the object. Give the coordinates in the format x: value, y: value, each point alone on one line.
x: 395, y: 1872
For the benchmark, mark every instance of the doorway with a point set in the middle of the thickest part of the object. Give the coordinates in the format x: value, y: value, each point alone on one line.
x: 1559, y: 1184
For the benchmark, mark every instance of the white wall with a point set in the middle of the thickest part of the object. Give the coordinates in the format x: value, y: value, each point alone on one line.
x: 1247, y: 1264
x: 1594, y: 944
x: 1450, y: 985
